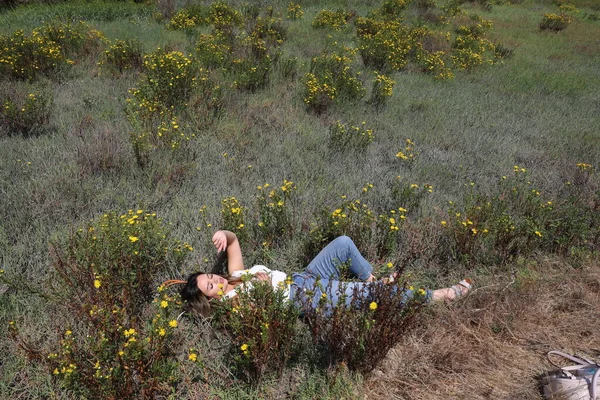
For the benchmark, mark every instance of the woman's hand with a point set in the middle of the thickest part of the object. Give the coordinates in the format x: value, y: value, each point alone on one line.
x: 262, y: 276
x: 219, y: 239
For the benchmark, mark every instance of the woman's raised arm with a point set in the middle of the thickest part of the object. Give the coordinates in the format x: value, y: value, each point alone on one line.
x: 226, y: 240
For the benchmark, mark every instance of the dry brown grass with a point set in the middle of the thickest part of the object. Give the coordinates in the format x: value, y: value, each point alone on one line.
x: 493, y: 344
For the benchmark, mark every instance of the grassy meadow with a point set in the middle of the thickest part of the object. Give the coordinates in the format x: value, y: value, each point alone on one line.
x: 488, y: 173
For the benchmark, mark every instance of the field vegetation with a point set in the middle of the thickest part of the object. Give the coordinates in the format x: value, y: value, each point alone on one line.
x: 447, y: 138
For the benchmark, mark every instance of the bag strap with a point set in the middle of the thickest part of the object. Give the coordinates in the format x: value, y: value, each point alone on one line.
x: 579, y: 361
x: 594, y: 382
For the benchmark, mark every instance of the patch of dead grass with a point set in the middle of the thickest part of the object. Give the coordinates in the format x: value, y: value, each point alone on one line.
x: 493, y: 344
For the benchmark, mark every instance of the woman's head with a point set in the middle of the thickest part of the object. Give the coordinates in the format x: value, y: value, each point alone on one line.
x: 200, y: 288
x: 196, y: 300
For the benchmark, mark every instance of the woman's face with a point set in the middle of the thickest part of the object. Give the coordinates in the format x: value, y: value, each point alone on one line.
x: 211, y: 285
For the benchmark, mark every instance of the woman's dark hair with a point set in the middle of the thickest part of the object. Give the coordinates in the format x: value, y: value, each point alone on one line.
x: 196, y: 301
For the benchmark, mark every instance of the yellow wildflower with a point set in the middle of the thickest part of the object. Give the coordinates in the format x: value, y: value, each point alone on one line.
x: 97, y: 283
x: 193, y: 357
x: 173, y: 323
x: 133, y: 239
x: 373, y: 306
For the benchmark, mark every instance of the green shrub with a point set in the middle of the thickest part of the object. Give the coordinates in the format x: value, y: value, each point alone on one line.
x: 384, y: 45
x: 274, y: 225
x: 294, y: 11
x: 331, y: 79
x: 104, y: 278
x: 392, y: 8
x: 74, y: 39
x: 361, y: 334
x: 224, y: 17
x: 382, y: 90
x: 23, y: 113
x: 343, y: 136
x: 376, y: 233
x: 335, y: 20
x: 234, y: 217
x: 262, y: 326
x: 213, y: 50
x: 25, y: 57
x: 519, y: 220
x: 123, y: 55
x: 189, y: 17
x: 554, y: 22
x: 470, y: 45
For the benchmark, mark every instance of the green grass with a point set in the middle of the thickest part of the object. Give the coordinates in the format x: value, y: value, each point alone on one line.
x: 538, y: 109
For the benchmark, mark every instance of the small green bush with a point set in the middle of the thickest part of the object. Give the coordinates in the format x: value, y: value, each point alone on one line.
x: 25, y: 114
x: 344, y: 136
x: 331, y: 79
x: 294, y: 11
x: 224, y: 17
x: 234, y: 217
x: 335, y: 20
x: 382, y: 90
x: 262, y: 326
x: 554, y: 22
x: 104, y: 278
x: 362, y: 333
x: 25, y: 57
x: 519, y: 220
x: 123, y: 55
x: 274, y: 225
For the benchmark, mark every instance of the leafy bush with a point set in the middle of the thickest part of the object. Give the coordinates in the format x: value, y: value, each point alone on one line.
x: 361, y: 333
x: 330, y: 79
x: 122, y: 345
x: 262, y: 326
x: 274, y: 214
x: 123, y: 55
x: 382, y: 90
x: 25, y: 57
x: 344, y: 136
x: 375, y: 233
x: 189, y: 17
x: 23, y: 113
x: 470, y: 45
x: 233, y: 214
x: 294, y: 11
x: 73, y: 38
x: 392, y: 8
x: 247, y: 57
x: 554, y: 22
x: 336, y: 20
x: 224, y: 17
x: 384, y: 45
x: 518, y: 220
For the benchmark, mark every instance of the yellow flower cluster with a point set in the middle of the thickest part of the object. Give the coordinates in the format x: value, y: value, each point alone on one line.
x: 122, y: 55
x: 584, y: 167
x: 555, y: 22
x: 351, y: 135
x: 294, y: 11
x: 223, y: 16
x: 333, y: 19
x: 408, y: 153
x: 183, y: 19
x: 233, y: 214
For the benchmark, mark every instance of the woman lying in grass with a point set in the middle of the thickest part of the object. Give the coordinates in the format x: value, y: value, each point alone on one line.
x: 321, y: 277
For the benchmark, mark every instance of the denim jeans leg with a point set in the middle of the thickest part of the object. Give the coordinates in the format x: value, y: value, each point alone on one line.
x: 339, y: 251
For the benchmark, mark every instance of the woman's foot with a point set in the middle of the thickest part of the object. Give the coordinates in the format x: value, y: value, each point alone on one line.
x: 454, y: 292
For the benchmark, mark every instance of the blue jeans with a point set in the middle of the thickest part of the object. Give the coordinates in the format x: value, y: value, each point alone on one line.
x: 322, y: 276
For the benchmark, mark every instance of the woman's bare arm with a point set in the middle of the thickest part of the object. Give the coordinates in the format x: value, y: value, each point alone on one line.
x: 226, y: 240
